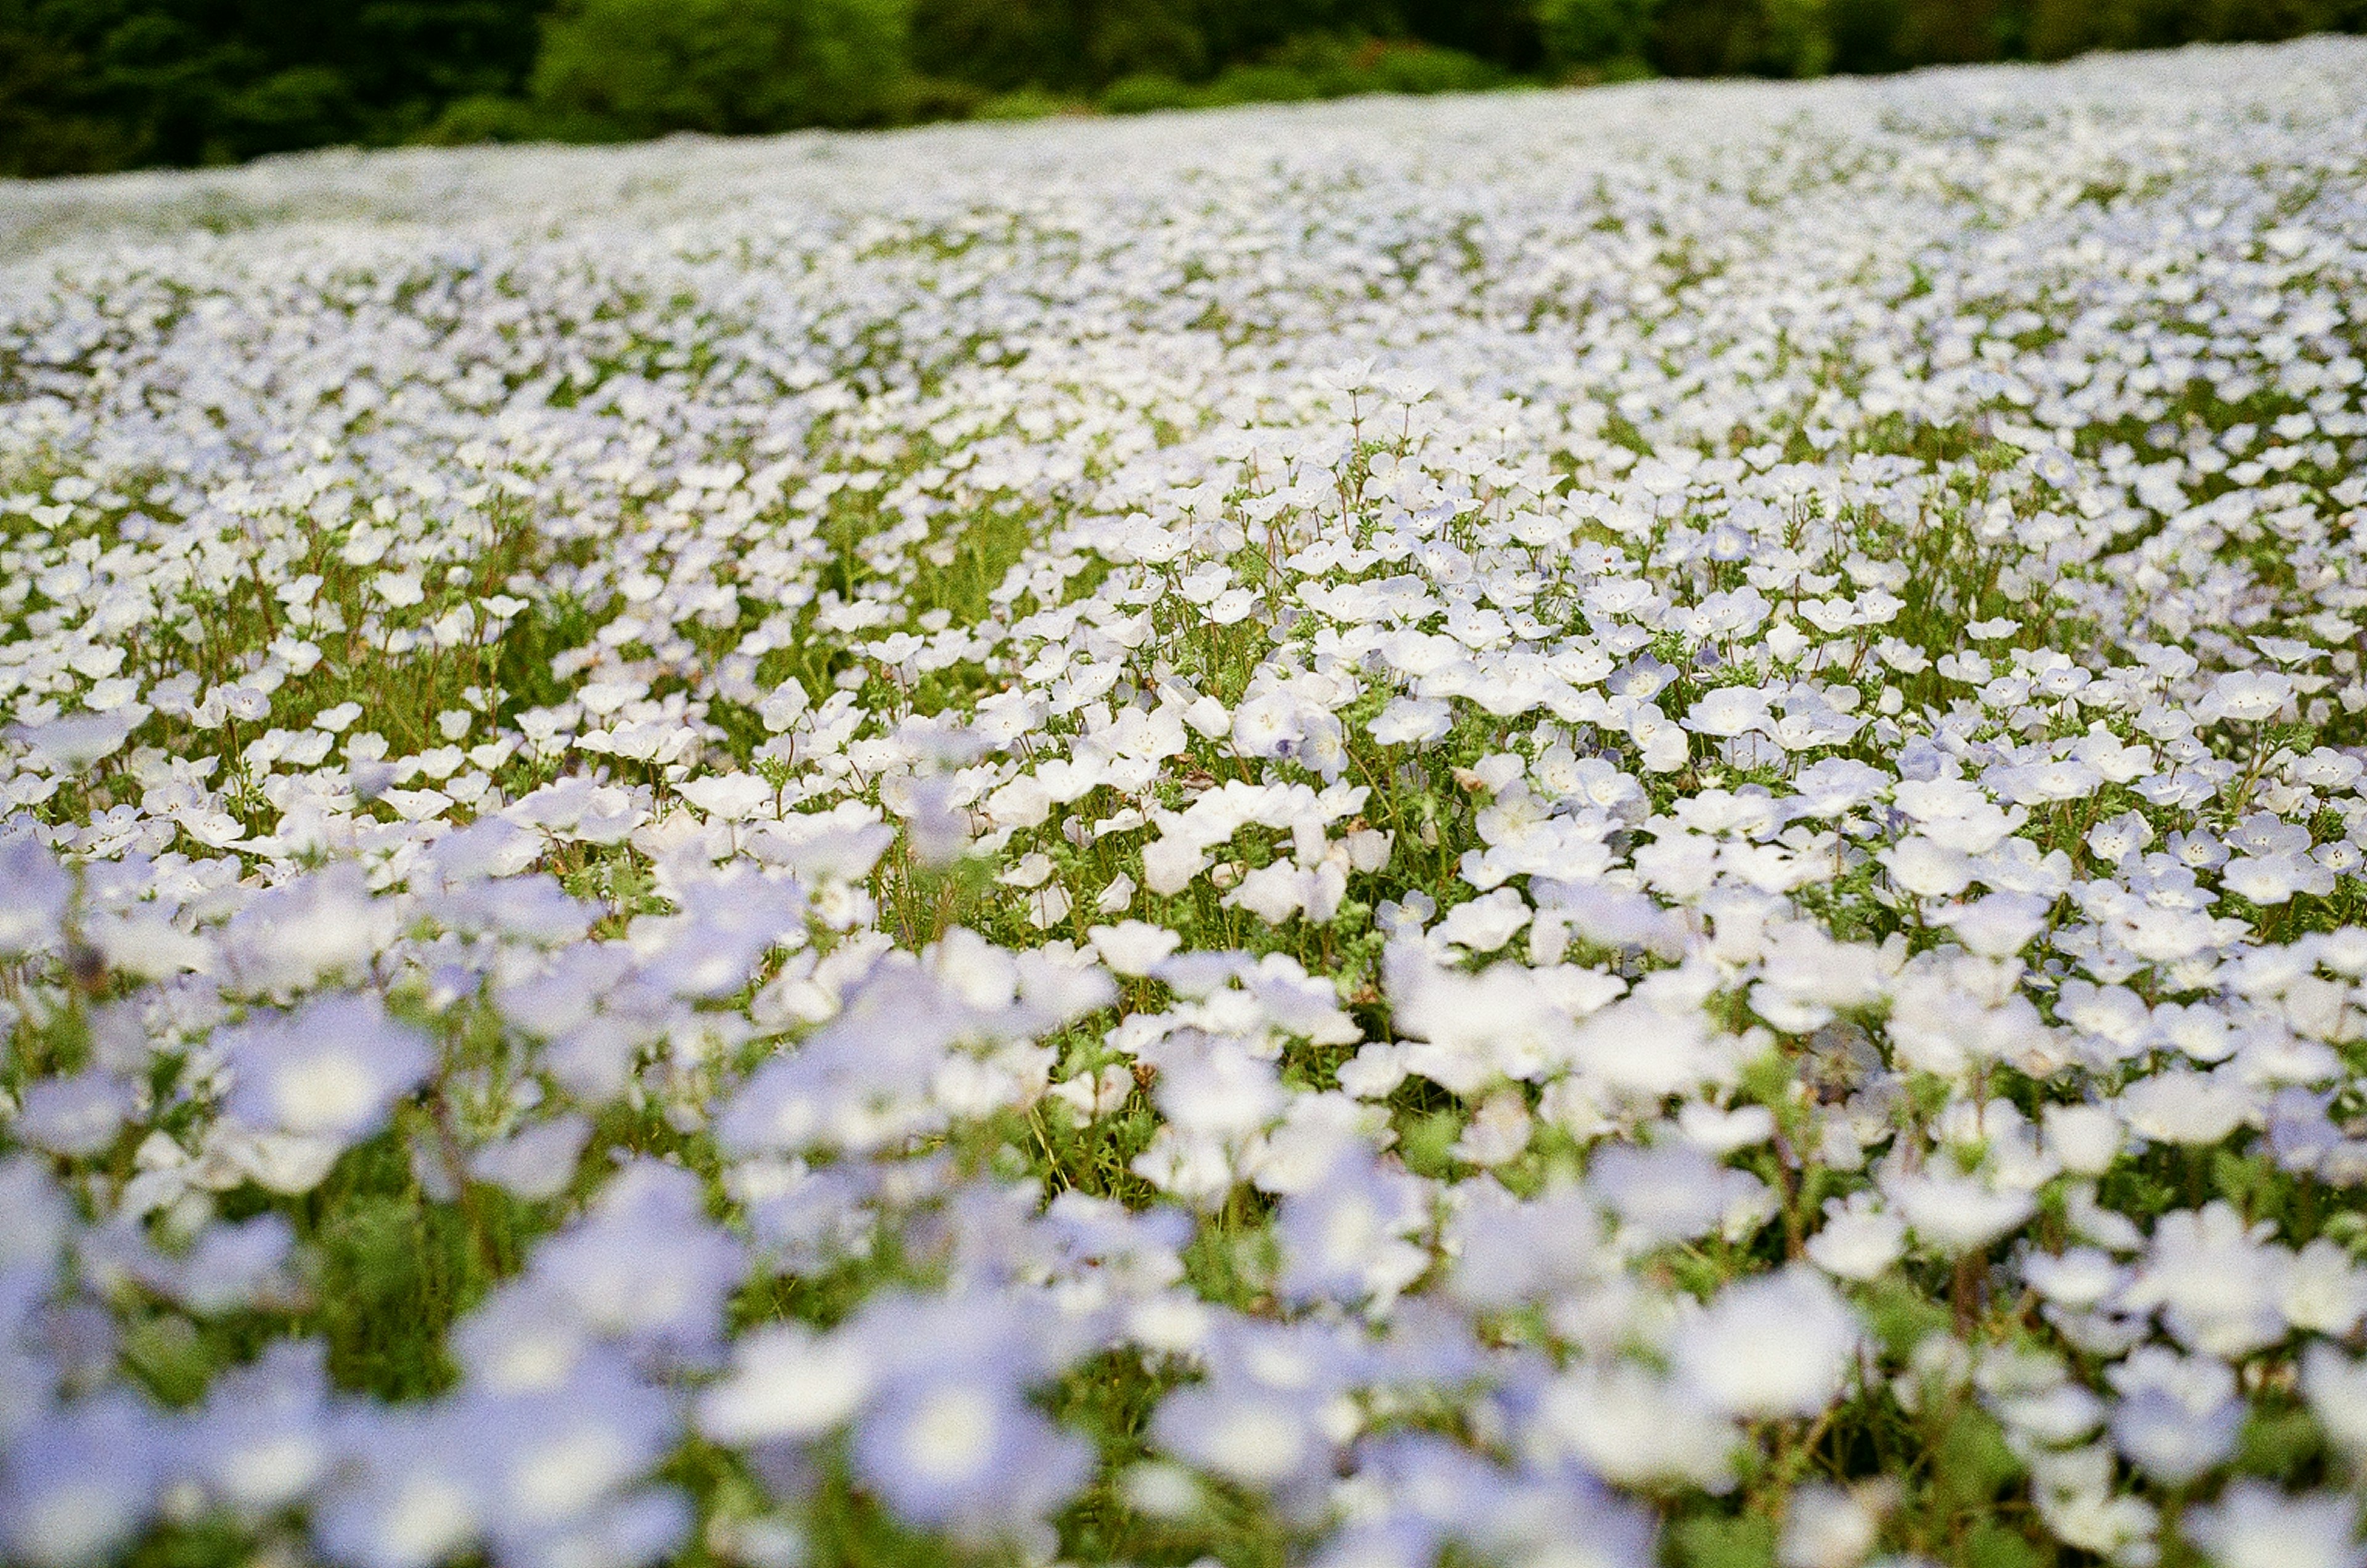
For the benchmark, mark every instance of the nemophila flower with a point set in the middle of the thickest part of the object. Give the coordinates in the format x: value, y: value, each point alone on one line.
x: 72, y: 744
x: 1502, y: 1251
x: 1827, y: 1527
x: 1859, y: 1239
x: 2336, y: 1387
x: 2216, y: 1281
x: 1438, y: 1492
x: 785, y: 1381
x: 77, y: 1116
x: 1411, y: 721
x: 2176, y: 1417
x: 42, y: 1217
x: 320, y: 926
x: 1352, y: 1235
x: 2076, y: 1499
x: 412, y: 1488
x: 34, y: 892
x: 2274, y: 878
x: 1778, y: 1345
x: 1274, y: 1439
x: 1272, y: 1410
x: 330, y: 1070
x: 1219, y: 1090
x: 560, y: 1455
x: 246, y: 1263
x: 78, y: 1482
x: 1634, y: 1428
x: 1952, y: 1213
x: 2180, y: 1107
x: 2078, y: 1277
x: 2324, y: 1292
x: 266, y: 1433
x: 2254, y: 1525
x: 1928, y: 869
x: 1675, y: 1191
x: 646, y: 1265
x: 637, y: 1527
x: 475, y: 573
x: 2244, y: 695
x: 539, y: 1161
x: 1998, y: 925
x: 965, y: 1454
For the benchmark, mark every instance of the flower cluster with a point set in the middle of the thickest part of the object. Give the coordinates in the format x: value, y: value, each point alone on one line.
x: 1567, y: 829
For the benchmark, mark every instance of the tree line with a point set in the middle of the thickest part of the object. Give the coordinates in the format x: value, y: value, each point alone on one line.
x: 89, y: 86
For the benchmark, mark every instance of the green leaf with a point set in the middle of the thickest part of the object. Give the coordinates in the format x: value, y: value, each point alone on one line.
x: 1745, y: 1542
x: 2277, y: 1444
x: 1992, y: 1545
x: 1971, y: 1464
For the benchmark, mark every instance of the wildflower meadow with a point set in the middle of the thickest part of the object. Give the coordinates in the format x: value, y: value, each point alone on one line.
x: 1560, y: 830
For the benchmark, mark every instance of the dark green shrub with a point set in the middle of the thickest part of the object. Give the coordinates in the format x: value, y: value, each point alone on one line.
x: 938, y: 98
x: 1417, y: 68
x: 1262, y: 84
x: 646, y: 67
x: 1003, y: 45
x: 89, y: 84
x: 1338, y: 65
x: 1146, y: 94
x: 1027, y: 103
x: 1157, y: 37
x: 999, y: 45
x: 487, y: 116
x: 1595, y: 35
x: 1740, y: 38
x: 1897, y: 35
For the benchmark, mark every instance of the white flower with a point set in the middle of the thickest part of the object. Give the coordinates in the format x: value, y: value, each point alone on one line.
x: 2183, y: 1107
x: 1131, y: 947
x: 399, y: 589
x: 2246, y: 695
x: 2177, y: 1416
x: 1825, y: 1527
x: 2217, y: 1283
x: 2255, y: 1525
x: 2085, y: 1138
x: 2324, y: 1292
x: 2336, y: 1386
x: 1926, y: 869
x: 785, y: 1381
x: 1484, y: 924
x: 1635, y: 1429
x: 1778, y: 1345
x: 1858, y: 1239
x: 1953, y: 1213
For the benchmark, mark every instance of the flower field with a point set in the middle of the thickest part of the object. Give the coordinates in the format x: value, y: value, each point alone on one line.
x: 1572, y: 831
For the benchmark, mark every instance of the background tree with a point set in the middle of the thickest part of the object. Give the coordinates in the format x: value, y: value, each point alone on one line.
x: 646, y: 67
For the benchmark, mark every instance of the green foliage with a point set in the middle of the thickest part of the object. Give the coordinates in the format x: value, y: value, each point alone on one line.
x: 646, y: 67
x: 1710, y: 1542
x: 1991, y: 1545
x: 1740, y: 38
x: 1022, y: 103
x: 1891, y: 35
x: 485, y: 117
x: 1147, y: 92
x: 90, y: 85
x: 1313, y: 67
x: 1603, y: 35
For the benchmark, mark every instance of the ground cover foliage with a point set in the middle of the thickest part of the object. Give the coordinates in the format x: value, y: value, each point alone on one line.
x: 1585, y: 830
